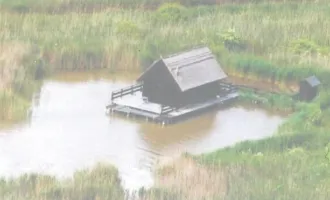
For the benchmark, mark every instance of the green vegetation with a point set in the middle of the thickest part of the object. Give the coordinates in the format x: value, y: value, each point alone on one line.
x: 100, y: 183
x: 292, y: 165
x: 60, y: 6
x: 269, y: 101
x: 278, y: 42
x: 285, y: 167
x: 264, y: 38
x: 87, y: 5
x: 13, y: 107
x: 21, y: 71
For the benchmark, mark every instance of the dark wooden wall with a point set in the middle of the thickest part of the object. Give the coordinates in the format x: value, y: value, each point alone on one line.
x: 201, y: 93
x: 159, y: 87
x: 306, y: 92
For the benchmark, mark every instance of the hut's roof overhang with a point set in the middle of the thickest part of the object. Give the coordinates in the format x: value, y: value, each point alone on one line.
x: 191, y: 69
x: 313, y: 81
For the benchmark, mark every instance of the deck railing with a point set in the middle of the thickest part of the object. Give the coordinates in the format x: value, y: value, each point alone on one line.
x: 228, y: 87
x: 166, y: 109
x: 125, y: 91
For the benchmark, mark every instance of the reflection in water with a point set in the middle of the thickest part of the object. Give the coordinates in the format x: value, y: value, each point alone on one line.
x: 70, y: 130
x: 162, y: 139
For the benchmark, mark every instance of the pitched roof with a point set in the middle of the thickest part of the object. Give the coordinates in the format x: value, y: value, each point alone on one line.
x: 313, y: 81
x: 193, y: 68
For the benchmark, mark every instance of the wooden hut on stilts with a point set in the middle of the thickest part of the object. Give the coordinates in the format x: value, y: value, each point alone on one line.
x: 176, y: 87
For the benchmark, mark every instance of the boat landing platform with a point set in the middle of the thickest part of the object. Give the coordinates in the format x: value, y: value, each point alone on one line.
x: 133, y: 105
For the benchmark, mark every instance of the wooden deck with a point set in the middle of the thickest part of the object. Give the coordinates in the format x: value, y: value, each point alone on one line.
x: 132, y: 105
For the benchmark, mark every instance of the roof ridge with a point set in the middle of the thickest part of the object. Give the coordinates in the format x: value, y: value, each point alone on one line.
x: 193, y: 62
x: 185, y: 51
x: 204, y: 54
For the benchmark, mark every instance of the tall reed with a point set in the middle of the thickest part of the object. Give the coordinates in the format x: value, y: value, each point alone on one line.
x: 126, y: 39
x: 101, y: 182
x: 60, y: 6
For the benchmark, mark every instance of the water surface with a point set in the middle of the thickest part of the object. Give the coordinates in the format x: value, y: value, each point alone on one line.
x: 69, y: 130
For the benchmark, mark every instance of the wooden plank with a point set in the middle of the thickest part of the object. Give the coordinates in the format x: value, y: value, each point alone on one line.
x: 136, y: 112
x: 125, y: 91
x: 173, y: 116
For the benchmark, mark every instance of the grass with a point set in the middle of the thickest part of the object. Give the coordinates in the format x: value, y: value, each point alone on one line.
x: 101, y: 182
x: 13, y: 108
x: 60, y: 6
x: 18, y: 80
x: 281, y: 167
x: 266, y: 36
x: 269, y: 101
x: 287, y: 167
x: 87, y: 5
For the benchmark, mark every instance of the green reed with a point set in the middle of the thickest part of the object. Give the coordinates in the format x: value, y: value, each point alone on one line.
x: 102, y: 182
x: 60, y: 6
x: 286, y: 167
x: 126, y: 39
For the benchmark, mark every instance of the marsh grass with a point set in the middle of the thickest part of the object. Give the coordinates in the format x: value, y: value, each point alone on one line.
x: 130, y: 39
x: 61, y: 6
x: 270, y: 101
x: 18, y: 67
x: 13, y: 107
x: 101, y: 182
x: 283, y: 166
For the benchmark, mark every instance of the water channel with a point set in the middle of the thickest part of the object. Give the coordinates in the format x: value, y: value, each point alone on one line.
x: 69, y: 130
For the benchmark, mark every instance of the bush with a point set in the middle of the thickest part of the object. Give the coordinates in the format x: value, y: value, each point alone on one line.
x: 128, y: 29
x: 305, y: 46
x: 171, y: 12
x: 231, y: 41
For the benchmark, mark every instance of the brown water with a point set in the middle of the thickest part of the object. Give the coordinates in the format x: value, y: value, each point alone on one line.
x: 69, y: 130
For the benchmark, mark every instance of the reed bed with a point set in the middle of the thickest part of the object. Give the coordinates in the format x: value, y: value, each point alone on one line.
x: 62, y: 6
x: 101, y: 182
x: 90, y: 5
x: 18, y: 64
x: 281, y: 167
x: 286, y: 35
x: 283, y: 103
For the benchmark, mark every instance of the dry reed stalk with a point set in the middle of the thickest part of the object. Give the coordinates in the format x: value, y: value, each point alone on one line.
x: 194, y: 181
x: 268, y: 28
x: 11, y: 55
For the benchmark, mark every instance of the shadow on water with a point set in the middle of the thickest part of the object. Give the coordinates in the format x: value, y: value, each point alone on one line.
x: 161, y: 138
